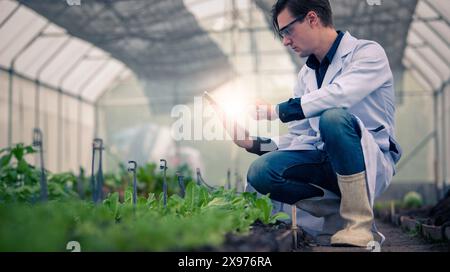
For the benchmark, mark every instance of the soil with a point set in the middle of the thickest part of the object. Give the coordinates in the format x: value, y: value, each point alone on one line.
x: 278, y: 238
x: 440, y: 214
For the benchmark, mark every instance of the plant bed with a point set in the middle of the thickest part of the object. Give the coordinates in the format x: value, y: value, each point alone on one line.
x: 409, y: 223
x: 262, y: 238
x: 385, y: 216
x: 447, y: 233
x: 201, y: 218
x: 433, y: 233
x: 395, y: 219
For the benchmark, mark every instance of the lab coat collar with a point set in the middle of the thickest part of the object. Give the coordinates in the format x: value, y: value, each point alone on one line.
x: 347, y: 45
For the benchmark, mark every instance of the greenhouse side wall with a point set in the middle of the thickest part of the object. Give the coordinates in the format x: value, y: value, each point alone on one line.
x: 67, y: 146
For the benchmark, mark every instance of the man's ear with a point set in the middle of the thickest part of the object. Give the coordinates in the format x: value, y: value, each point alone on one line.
x: 312, y: 18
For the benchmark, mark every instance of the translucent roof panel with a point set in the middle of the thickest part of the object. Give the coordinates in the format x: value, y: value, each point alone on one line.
x: 441, y: 7
x: 17, y: 32
x: 241, y: 30
x: 63, y: 61
x: 103, y: 79
x: 428, y: 51
x: 160, y: 41
x: 81, y: 74
x: 33, y: 59
x: 422, y: 64
x: 41, y: 50
x: 8, y: 8
x: 418, y: 76
x: 179, y: 48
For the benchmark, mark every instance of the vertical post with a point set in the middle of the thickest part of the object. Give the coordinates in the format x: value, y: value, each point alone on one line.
x: 97, y: 180
x: 199, y: 182
x: 37, y: 142
x: 163, y: 167
x: 60, y: 129
x: 10, y: 105
x: 93, y: 183
x: 100, y: 170
x: 37, y: 104
x: 238, y: 181
x: 181, y: 184
x: 79, y: 134
x: 444, y: 138
x: 132, y: 169
x: 229, y: 179
x: 96, y: 119
x: 436, y: 146
x: 80, y: 184
x: 294, y: 227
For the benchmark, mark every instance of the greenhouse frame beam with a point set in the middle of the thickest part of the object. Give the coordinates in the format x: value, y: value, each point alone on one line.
x: 80, y: 112
x: 435, y: 92
x: 424, y: 77
x: 40, y: 70
x: 46, y: 85
x: 93, y: 75
x: 444, y: 135
x: 431, y: 6
x: 24, y: 48
x: 11, y: 80
x: 10, y: 15
x: 59, y: 108
x: 430, y: 64
x: 427, y: 44
x: 432, y: 29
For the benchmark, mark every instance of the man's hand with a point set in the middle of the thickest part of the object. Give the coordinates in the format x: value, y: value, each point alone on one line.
x: 246, y: 144
x: 238, y: 134
x: 262, y: 110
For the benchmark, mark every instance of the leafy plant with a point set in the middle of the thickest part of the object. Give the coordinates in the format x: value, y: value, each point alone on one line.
x: 412, y: 200
x: 201, y: 218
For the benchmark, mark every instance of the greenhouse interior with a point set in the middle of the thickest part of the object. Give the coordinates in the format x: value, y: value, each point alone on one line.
x: 113, y: 134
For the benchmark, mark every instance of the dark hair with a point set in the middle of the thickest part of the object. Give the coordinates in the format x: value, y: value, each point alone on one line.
x: 299, y: 8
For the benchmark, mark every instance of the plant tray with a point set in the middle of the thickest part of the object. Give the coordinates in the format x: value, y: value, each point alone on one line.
x: 431, y: 232
x: 408, y: 223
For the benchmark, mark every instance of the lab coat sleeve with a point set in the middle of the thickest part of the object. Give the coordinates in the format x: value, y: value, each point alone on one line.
x: 296, y: 128
x: 368, y: 71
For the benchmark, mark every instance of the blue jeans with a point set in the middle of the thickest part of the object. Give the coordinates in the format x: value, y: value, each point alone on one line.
x: 288, y: 175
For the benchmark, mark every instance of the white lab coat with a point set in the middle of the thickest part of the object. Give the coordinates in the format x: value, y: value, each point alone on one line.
x: 358, y: 79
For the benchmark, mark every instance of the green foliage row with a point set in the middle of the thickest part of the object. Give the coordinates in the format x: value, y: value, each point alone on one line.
x: 201, y: 218
x: 19, y: 180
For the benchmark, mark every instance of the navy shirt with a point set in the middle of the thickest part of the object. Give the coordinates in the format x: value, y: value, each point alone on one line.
x: 292, y: 110
x: 322, y: 67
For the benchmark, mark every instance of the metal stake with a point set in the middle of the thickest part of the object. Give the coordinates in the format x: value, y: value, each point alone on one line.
x: 229, y: 179
x: 163, y: 167
x: 181, y: 184
x: 37, y: 142
x: 97, y: 182
x: 133, y: 168
x: 294, y: 227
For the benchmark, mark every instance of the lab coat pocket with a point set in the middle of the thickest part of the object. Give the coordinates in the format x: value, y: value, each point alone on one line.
x: 381, y: 136
x: 395, y: 149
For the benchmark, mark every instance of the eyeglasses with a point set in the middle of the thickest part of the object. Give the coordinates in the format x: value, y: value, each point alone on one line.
x: 287, y: 30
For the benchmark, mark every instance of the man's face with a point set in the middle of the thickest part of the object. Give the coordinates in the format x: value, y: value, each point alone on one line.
x: 301, y: 35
